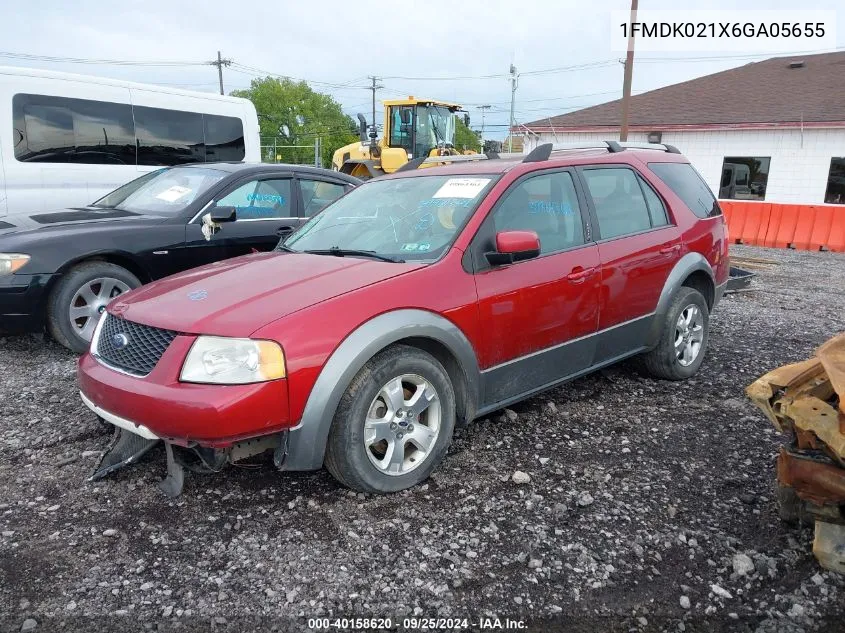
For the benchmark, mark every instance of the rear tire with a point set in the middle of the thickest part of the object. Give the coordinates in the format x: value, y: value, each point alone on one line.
x: 81, y: 294
x: 684, y: 334
x: 401, y: 400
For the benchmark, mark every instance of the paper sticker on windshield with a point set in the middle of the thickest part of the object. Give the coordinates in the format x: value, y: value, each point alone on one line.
x: 461, y: 188
x: 173, y: 193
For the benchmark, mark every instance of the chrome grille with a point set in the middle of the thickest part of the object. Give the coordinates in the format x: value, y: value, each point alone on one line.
x: 132, y: 347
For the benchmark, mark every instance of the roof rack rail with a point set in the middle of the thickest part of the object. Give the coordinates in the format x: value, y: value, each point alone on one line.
x: 616, y: 146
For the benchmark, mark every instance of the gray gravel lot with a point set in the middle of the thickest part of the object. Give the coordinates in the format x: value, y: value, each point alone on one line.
x: 647, y: 505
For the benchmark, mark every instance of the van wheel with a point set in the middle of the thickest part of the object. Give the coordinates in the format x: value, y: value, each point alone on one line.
x: 394, y: 424
x: 683, y: 338
x: 80, y: 296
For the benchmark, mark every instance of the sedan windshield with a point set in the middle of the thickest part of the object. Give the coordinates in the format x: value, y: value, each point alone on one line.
x: 403, y: 218
x: 162, y: 192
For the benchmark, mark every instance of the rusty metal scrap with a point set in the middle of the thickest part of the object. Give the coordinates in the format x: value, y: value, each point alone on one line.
x: 806, y: 402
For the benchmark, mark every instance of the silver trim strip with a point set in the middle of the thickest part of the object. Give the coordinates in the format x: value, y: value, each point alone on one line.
x: 569, y: 342
x: 127, y: 425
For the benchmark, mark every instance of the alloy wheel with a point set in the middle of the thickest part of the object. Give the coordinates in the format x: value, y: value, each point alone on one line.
x: 402, y: 425
x: 90, y: 301
x: 689, y: 335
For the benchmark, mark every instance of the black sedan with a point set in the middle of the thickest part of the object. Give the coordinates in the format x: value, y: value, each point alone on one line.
x: 59, y: 269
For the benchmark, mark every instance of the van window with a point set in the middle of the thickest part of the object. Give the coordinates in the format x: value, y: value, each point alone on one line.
x: 689, y: 187
x: 61, y: 130
x: 224, y: 138
x: 168, y: 137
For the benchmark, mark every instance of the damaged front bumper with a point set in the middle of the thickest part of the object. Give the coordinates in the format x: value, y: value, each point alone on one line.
x: 131, y: 441
x: 805, y: 402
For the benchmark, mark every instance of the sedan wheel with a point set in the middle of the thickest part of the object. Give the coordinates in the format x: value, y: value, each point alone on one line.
x: 80, y: 296
x: 89, y: 302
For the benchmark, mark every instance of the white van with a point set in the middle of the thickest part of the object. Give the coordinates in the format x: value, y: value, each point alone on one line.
x: 67, y: 140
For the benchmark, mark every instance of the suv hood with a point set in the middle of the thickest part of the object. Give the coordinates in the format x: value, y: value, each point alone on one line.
x: 235, y: 297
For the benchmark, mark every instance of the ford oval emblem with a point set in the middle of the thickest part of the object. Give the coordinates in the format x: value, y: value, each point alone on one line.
x: 120, y: 340
x: 197, y: 295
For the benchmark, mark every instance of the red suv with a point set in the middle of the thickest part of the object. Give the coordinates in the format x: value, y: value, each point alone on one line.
x: 416, y: 302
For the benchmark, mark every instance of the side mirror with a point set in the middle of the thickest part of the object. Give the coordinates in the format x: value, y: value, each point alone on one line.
x: 223, y: 214
x: 514, y: 246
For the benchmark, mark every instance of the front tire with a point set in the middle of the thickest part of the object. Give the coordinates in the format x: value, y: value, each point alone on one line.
x: 75, y: 304
x: 684, y: 334
x: 394, y: 424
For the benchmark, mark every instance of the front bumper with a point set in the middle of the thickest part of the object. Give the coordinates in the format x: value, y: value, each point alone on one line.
x: 22, y: 302
x: 159, y: 406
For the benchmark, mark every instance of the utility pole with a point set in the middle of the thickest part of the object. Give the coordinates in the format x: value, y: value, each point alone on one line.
x: 483, y: 109
x: 220, y: 63
x: 374, y: 87
x: 629, y: 71
x: 514, y: 76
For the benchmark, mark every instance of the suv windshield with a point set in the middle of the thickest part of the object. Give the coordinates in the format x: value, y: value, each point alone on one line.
x: 162, y: 192
x: 405, y: 218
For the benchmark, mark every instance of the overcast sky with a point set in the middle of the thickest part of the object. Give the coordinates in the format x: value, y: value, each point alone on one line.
x: 341, y: 43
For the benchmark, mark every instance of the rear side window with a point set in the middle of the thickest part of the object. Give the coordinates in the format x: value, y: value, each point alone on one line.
x: 618, y: 199
x: 318, y: 194
x: 689, y: 187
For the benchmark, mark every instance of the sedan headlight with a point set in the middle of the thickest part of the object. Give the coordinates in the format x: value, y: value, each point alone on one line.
x: 232, y: 361
x: 12, y: 262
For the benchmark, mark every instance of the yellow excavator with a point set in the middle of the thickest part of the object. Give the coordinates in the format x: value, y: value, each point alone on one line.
x: 413, y: 128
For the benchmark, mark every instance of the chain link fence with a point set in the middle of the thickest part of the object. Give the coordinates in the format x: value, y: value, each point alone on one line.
x: 273, y: 150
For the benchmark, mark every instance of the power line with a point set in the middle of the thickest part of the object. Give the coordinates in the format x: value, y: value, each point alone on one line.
x: 105, y: 62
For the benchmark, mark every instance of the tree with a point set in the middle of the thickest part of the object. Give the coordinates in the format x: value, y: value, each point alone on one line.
x: 290, y: 113
x: 465, y: 138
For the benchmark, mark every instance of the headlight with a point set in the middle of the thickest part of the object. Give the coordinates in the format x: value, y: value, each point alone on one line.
x: 232, y: 361
x: 12, y: 262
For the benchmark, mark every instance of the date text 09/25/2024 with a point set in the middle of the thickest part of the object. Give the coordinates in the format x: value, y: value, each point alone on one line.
x: 415, y: 624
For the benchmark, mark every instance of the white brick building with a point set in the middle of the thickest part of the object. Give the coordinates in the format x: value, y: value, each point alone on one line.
x: 772, y: 130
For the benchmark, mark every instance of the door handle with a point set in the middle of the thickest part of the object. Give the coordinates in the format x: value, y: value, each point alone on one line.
x: 578, y: 274
x: 669, y: 250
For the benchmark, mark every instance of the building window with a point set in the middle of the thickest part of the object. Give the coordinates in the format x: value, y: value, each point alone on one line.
x: 744, y: 177
x: 835, y: 192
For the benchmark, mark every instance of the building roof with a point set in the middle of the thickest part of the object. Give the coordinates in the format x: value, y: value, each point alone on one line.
x: 774, y: 91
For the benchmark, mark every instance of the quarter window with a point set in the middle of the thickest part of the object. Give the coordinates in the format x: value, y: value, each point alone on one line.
x: 835, y: 192
x: 620, y: 206
x: 260, y: 200
x: 546, y: 204
x: 744, y: 177
x: 656, y: 208
x: 318, y: 194
x: 685, y: 182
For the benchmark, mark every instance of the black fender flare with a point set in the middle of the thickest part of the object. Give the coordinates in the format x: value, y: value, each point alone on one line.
x: 686, y: 266
x: 307, y: 441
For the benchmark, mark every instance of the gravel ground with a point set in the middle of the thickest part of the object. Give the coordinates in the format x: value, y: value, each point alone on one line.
x: 639, y: 505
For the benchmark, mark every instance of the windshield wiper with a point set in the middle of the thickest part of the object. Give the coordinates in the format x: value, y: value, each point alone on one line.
x: 342, y: 252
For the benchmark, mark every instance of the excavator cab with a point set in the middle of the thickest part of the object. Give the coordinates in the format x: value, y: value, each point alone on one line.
x: 412, y: 128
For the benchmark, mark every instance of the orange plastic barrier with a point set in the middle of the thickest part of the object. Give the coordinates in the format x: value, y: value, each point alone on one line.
x: 805, y: 227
